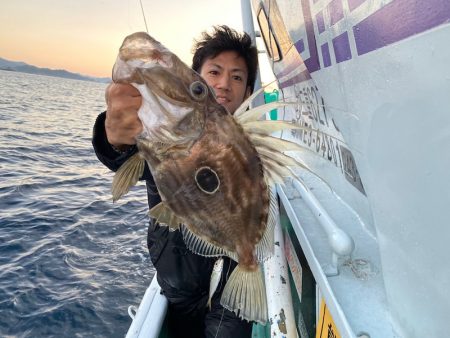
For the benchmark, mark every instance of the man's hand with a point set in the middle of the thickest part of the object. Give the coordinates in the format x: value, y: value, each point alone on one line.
x: 122, y: 123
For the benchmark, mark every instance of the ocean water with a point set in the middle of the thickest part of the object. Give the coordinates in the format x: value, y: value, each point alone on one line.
x: 71, y: 261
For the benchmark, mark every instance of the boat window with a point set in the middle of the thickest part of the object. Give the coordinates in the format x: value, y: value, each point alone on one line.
x: 269, y: 39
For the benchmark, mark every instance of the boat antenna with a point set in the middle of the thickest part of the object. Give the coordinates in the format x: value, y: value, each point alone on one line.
x: 143, y: 14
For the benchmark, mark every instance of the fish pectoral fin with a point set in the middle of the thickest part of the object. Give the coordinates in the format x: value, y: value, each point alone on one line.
x: 245, y: 295
x: 164, y: 215
x: 127, y: 176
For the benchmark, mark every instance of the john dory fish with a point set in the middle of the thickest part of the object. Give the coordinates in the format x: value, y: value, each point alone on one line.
x: 213, y: 170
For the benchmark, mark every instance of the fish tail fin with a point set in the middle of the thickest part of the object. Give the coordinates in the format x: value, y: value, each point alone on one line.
x: 127, y: 176
x: 245, y: 294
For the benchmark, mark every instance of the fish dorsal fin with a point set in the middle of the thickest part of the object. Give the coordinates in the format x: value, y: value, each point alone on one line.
x: 201, y: 247
x: 127, y: 176
x: 272, y: 177
x: 279, y: 157
x: 244, y: 105
x: 275, y: 171
x: 164, y: 215
x: 275, y: 163
x: 267, y: 127
x: 274, y: 143
x: 255, y: 114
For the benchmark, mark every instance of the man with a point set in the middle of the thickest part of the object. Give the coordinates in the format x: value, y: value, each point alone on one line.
x: 228, y: 63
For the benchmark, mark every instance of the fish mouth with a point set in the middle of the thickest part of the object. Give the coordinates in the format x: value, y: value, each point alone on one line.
x: 140, y: 50
x: 143, y: 60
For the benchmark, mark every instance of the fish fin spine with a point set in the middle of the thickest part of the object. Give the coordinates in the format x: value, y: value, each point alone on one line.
x: 256, y: 113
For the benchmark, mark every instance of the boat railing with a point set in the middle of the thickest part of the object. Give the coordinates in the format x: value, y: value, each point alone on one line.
x: 153, y: 306
x: 341, y: 243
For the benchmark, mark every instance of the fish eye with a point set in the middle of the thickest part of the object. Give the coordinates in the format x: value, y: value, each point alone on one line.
x: 207, y: 180
x: 198, y: 90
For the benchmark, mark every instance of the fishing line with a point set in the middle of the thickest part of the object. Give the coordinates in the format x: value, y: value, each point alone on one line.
x: 143, y: 15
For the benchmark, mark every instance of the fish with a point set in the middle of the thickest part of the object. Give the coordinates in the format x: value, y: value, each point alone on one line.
x: 215, y: 171
x: 215, y: 279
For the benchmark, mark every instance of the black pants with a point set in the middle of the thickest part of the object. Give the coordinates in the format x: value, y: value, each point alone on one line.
x: 184, y: 278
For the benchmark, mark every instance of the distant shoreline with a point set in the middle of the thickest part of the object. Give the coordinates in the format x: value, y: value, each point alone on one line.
x: 21, y: 67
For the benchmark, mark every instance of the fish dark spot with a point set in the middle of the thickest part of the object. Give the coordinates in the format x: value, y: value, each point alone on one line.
x: 277, y: 243
x: 283, y: 280
x: 207, y: 180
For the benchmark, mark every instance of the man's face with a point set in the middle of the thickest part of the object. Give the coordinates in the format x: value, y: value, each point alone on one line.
x: 227, y: 74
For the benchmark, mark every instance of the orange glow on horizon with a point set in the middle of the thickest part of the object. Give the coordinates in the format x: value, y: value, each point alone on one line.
x: 84, y: 36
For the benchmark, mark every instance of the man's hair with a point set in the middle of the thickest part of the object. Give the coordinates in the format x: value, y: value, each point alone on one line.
x: 224, y: 39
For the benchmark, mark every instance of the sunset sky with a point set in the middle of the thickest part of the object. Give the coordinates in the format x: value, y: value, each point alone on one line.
x: 83, y: 36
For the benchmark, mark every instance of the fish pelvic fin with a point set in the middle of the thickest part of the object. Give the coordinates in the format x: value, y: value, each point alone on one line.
x: 127, y: 176
x: 164, y: 215
x: 245, y: 295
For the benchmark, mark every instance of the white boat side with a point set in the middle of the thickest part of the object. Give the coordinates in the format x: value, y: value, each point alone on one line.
x: 371, y: 77
x: 149, y: 317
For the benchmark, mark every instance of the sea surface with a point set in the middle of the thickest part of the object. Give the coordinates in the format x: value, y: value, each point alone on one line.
x: 71, y: 261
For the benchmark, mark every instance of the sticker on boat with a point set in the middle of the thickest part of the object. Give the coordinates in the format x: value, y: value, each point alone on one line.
x: 326, y: 328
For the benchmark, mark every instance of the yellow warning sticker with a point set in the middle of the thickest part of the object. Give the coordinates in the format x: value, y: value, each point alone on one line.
x: 326, y: 327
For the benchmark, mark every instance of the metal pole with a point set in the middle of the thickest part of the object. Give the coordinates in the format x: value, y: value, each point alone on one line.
x: 247, y: 23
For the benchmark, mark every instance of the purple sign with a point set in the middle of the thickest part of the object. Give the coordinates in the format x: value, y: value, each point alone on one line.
x: 399, y: 20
